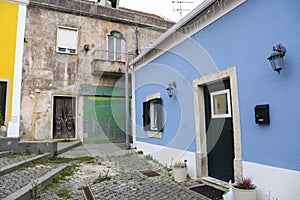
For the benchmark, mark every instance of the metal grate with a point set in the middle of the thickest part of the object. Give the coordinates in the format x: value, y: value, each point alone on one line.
x: 87, y: 193
x: 150, y: 173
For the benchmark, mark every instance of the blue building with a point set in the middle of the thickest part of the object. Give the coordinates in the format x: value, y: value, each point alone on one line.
x: 230, y: 114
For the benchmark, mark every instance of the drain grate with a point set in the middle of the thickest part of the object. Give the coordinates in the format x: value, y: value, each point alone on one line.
x: 209, y: 192
x: 150, y: 173
x: 87, y: 193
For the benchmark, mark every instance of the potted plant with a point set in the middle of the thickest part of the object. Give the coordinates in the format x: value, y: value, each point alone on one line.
x: 244, y: 189
x: 180, y: 171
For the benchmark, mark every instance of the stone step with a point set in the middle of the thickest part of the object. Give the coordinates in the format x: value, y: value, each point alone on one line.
x: 12, y: 167
x: 63, y: 147
x: 26, y: 192
x: 5, y: 153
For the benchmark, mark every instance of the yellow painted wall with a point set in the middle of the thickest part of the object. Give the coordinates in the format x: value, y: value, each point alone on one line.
x: 8, y: 35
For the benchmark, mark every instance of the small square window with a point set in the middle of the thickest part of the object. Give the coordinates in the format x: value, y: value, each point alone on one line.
x: 220, y: 104
x: 67, y: 39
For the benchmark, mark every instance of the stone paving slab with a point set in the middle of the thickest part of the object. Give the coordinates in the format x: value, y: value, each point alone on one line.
x: 26, y: 191
x: 5, y: 153
x: 11, y: 167
x: 126, y: 181
x: 10, y: 183
x: 14, y: 158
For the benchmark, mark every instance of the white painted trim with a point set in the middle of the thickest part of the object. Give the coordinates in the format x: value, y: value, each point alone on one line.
x: 273, y: 182
x: 133, y: 109
x: 7, y: 99
x: 77, y: 39
x: 153, y: 96
x: 21, y: 2
x: 166, y: 42
x: 201, y: 149
x: 151, y: 133
x: 168, y: 156
x: 14, y: 122
x: 76, y: 115
x: 212, y: 94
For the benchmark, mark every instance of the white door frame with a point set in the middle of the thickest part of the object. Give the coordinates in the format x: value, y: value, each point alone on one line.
x: 201, y: 149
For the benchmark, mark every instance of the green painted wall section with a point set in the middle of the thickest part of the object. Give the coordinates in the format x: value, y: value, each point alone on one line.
x: 103, y: 91
x: 104, y: 118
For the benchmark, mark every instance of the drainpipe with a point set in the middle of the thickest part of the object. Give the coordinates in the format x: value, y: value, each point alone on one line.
x: 137, y: 41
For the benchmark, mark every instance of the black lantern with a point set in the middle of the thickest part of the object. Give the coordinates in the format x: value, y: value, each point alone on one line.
x: 276, y: 58
x: 171, y: 88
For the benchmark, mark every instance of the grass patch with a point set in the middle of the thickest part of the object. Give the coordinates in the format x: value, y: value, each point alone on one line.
x: 64, y: 193
x: 101, y: 178
x: 14, y: 155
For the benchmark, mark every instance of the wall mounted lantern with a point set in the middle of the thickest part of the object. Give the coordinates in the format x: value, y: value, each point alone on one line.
x: 276, y: 58
x: 171, y: 88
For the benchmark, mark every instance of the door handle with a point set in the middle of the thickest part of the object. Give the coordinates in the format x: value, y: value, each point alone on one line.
x: 230, y: 130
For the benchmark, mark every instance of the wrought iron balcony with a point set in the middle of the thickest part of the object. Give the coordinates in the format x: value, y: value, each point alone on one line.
x: 107, y: 62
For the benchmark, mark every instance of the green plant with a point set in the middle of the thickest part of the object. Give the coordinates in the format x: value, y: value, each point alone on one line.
x: 40, y: 152
x: 1, y: 120
x: 64, y: 193
x: 140, y: 152
x: 36, y: 190
x: 180, y: 164
x: 199, y: 181
x: 102, y: 178
x: 244, y: 183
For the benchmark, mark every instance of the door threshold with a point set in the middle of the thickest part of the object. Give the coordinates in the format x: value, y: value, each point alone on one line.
x: 216, y: 183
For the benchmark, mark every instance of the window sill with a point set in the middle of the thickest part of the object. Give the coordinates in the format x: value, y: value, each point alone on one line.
x: 154, y: 134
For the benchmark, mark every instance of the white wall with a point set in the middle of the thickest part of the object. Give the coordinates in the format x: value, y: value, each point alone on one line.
x: 165, y: 155
x: 273, y: 183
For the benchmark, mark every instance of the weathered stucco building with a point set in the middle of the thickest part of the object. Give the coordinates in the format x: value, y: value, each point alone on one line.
x: 73, y: 85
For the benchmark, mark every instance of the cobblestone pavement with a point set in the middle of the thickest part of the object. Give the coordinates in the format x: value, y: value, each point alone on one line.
x: 119, y: 178
x: 14, y: 158
x: 17, y: 179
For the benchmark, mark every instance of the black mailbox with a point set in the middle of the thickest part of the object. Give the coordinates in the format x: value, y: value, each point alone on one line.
x: 262, y: 115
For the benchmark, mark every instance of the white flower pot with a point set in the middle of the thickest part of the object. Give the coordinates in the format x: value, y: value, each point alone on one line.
x: 240, y: 194
x: 180, y: 174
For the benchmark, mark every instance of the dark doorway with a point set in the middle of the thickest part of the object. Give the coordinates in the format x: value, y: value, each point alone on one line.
x: 219, y: 130
x: 3, y: 90
x: 64, y: 117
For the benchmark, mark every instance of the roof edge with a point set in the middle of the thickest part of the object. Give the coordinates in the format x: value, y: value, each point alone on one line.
x: 205, y: 4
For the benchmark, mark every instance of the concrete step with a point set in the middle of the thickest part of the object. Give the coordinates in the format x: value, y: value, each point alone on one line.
x: 9, y: 168
x: 5, y: 153
x: 26, y: 192
x: 66, y: 146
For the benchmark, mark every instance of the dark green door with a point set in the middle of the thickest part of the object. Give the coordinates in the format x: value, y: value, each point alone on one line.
x: 3, y: 88
x: 219, y: 129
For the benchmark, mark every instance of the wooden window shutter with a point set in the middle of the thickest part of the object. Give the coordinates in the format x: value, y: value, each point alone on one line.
x: 146, y: 116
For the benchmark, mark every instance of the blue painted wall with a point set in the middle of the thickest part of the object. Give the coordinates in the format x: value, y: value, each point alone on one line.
x: 242, y: 38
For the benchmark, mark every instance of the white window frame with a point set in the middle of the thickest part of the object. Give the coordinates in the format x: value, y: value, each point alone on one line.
x: 67, y: 50
x: 153, y: 124
x: 227, y: 93
x: 114, y: 50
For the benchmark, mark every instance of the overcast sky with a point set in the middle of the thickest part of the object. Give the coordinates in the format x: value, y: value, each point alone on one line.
x: 161, y: 7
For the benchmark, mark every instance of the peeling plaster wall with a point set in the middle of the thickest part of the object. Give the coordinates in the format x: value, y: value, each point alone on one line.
x: 54, y: 73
